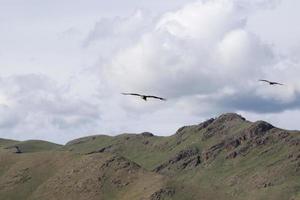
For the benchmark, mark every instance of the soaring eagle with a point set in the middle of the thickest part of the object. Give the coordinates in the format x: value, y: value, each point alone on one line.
x: 271, y: 82
x: 144, y: 97
x: 18, y: 150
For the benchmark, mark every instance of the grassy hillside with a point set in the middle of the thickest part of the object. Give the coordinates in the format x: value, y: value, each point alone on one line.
x: 223, y: 158
x: 6, y: 142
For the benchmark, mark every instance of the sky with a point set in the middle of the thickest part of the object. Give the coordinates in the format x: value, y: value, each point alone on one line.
x: 63, y: 65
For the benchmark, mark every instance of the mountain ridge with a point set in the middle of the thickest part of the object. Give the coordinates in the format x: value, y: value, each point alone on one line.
x: 227, y: 157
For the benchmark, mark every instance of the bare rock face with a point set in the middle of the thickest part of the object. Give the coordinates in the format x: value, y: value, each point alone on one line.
x: 188, y: 158
x: 295, y: 142
x: 102, y: 150
x: 205, y: 124
x: 222, y: 125
x: 181, y: 131
x: 185, y: 129
x: 213, y: 151
x: 242, y: 142
x: 82, y: 140
x: 162, y: 193
x: 119, y: 163
x: 229, y: 117
x: 232, y: 155
x: 232, y: 144
x: 147, y: 134
x: 258, y: 128
x: 20, y: 177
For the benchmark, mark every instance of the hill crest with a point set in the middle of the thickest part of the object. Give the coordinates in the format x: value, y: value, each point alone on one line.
x: 226, y: 157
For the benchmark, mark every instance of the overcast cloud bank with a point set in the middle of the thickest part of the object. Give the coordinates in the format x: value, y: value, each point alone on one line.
x: 202, y: 57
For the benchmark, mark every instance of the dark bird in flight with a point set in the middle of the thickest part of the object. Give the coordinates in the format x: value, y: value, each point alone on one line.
x: 271, y: 83
x: 144, y: 97
x: 18, y: 150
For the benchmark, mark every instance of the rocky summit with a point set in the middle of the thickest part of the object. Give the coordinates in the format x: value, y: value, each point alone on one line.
x: 226, y: 157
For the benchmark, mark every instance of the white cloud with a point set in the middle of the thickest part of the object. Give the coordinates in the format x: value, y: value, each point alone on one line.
x: 198, y: 49
x: 202, y: 57
x: 37, y: 105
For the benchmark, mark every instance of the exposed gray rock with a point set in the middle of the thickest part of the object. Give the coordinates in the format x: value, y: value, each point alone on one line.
x: 258, y: 128
x: 229, y: 117
x: 162, y: 193
x: 205, y: 124
x: 101, y: 150
x: 188, y: 158
x: 147, y: 134
x: 232, y: 155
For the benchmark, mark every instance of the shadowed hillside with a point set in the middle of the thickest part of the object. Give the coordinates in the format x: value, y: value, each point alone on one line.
x: 223, y: 158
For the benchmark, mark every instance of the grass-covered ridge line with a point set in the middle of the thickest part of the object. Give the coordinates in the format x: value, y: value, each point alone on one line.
x: 223, y: 158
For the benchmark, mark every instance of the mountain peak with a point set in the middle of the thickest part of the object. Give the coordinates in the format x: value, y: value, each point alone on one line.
x: 230, y: 117
x: 228, y: 152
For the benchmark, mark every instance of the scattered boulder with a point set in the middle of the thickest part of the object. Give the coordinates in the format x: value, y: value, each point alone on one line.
x: 162, y: 193
x: 267, y: 184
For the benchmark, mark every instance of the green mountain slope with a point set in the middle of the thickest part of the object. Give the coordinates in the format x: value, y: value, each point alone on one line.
x: 223, y: 158
x: 33, y: 146
x: 6, y: 142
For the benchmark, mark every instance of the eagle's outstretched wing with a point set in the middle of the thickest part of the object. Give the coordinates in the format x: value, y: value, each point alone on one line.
x: 276, y: 83
x: 271, y: 82
x: 135, y: 94
x: 155, y: 97
x: 145, y: 96
x: 265, y: 80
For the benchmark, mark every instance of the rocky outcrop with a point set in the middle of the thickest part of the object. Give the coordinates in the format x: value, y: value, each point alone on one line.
x: 258, y: 128
x: 162, y: 194
x: 20, y: 177
x: 213, y: 151
x: 223, y: 158
x: 101, y: 150
x: 242, y: 142
x: 185, y: 159
x: 227, y: 117
x: 194, y: 128
x: 205, y: 124
x: 118, y: 163
x: 223, y: 125
x: 147, y: 134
